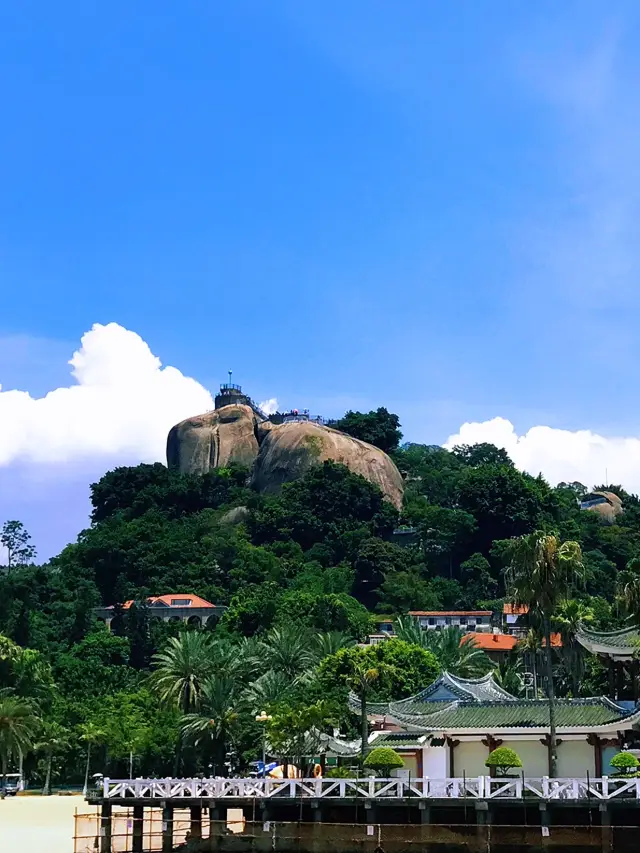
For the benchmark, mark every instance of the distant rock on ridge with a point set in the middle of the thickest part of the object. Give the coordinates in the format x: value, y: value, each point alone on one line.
x: 275, y: 453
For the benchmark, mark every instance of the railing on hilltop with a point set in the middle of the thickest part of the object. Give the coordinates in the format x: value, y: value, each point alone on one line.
x: 475, y: 788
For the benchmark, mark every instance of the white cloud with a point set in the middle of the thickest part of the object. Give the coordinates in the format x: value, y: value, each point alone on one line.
x: 122, y: 405
x: 269, y: 407
x: 561, y: 454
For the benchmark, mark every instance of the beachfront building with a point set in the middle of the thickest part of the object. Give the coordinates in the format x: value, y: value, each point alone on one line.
x: 177, y: 607
x: 450, y: 727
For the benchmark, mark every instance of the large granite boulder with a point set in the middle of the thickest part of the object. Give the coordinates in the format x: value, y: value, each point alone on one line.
x: 213, y: 440
x: 289, y: 450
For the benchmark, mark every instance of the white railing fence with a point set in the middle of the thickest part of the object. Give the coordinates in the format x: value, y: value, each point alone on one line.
x: 370, y: 788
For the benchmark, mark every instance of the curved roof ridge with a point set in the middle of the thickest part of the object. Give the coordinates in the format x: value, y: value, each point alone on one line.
x: 618, y: 632
x: 482, y: 679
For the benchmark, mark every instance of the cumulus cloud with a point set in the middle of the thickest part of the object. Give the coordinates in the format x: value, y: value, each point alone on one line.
x: 121, y: 404
x: 269, y: 407
x: 560, y: 455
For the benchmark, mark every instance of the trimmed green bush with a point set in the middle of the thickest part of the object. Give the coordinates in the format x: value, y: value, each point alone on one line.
x: 503, y: 759
x: 341, y: 772
x: 625, y: 763
x: 383, y: 760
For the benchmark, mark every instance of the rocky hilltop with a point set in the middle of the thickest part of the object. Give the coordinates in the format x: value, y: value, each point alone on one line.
x: 276, y: 454
x: 225, y: 435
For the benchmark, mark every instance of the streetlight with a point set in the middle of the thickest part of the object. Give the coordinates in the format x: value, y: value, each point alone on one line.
x: 264, y: 718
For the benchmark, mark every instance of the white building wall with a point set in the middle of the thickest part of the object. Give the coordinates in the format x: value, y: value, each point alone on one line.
x: 469, y: 758
x: 534, y: 756
x: 576, y: 758
x: 434, y: 762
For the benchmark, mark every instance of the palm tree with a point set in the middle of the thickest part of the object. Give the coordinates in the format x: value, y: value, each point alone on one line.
x: 331, y: 642
x: 268, y: 690
x: 628, y: 589
x: 456, y: 652
x: 216, y: 720
x: 92, y: 735
x: 54, y: 739
x: 18, y: 725
x: 360, y: 681
x: 529, y: 647
x: 539, y: 576
x: 570, y: 615
x: 289, y: 651
x: 182, y: 668
x: 508, y: 674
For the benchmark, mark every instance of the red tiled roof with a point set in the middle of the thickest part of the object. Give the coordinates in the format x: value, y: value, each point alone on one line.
x: 450, y: 612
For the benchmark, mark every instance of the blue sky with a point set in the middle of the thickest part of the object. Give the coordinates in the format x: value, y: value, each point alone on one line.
x: 422, y: 205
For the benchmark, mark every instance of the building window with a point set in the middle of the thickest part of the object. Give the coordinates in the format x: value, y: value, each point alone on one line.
x: 432, y: 620
x: 463, y: 620
x: 181, y: 602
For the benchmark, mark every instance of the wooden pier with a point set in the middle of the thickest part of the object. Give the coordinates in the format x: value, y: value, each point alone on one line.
x: 481, y: 801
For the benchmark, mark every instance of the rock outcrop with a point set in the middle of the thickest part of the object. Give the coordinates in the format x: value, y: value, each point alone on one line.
x: 213, y: 440
x: 288, y: 451
x: 275, y: 453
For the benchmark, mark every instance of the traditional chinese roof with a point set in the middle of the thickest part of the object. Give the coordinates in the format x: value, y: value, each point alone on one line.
x: 588, y: 714
x: 444, y: 690
x: 623, y: 643
x: 398, y: 740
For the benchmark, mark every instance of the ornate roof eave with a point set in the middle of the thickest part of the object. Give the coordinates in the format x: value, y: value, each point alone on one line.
x: 604, y: 642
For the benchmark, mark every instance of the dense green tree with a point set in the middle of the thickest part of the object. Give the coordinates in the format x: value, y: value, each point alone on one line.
x: 504, y: 502
x: 445, y: 536
x: 14, y: 537
x: 132, y: 491
x: 475, y: 455
x: 454, y: 651
x: 403, y: 668
x: 374, y: 560
x: 323, y: 506
x: 378, y: 427
x: 478, y: 584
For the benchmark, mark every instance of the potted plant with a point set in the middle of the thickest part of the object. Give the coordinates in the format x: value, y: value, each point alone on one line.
x: 502, y: 760
x: 382, y: 760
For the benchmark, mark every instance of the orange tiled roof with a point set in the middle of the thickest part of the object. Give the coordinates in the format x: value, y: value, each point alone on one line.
x: 491, y: 642
x: 502, y: 642
x: 450, y: 612
x: 514, y: 609
x: 195, y: 600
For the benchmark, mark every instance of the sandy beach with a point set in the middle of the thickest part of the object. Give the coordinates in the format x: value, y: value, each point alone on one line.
x: 35, y: 824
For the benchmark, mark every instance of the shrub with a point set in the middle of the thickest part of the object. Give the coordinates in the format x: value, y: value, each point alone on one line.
x: 503, y: 759
x: 383, y: 760
x: 341, y: 773
x: 625, y: 763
